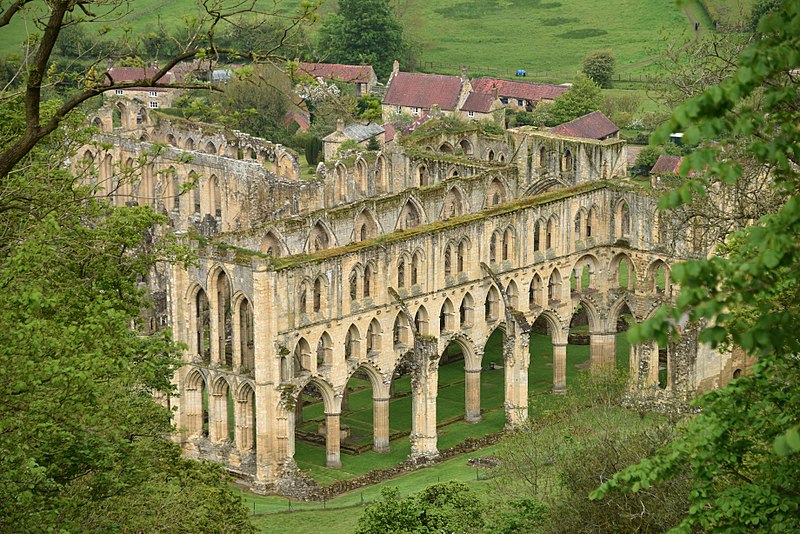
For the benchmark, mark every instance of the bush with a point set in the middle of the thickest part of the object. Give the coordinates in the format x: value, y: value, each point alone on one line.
x: 313, y: 150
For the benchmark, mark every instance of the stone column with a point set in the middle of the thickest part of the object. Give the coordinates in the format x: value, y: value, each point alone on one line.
x: 213, y: 319
x: 517, y: 361
x: 244, y: 428
x: 236, y: 338
x: 559, y: 367
x: 380, y: 424
x: 603, y: 346
x: 217, y: 417
x: 472, y: 394
x: 424, y: 385
x: 332, y: 458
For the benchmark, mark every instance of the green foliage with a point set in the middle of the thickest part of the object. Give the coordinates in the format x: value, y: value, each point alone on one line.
x: 446, y: 507
x: 583, y: 97
x: 85, y: 446
x: 761, y: 8
x: 363, y: 32
x: 599, y: 67
x: 369, y: 107
x: 740, y: 448
x: 313, y: 150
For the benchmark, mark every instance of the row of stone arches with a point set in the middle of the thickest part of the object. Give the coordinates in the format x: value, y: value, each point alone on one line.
x: 219, y: 410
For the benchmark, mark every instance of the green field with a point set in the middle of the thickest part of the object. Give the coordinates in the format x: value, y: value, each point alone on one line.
x: 535, y: 35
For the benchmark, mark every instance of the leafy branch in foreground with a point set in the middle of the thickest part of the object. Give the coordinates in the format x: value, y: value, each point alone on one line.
x: 741, y: 448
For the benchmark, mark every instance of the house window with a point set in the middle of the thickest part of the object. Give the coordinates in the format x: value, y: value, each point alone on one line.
x: 470, y: 114
x: 153, y: 105
x: 415, y: 111
x: 504, y: 100
x: 119, y: 92
x: 520, y: 102
x: 398, y: 109
x: 153, y: 94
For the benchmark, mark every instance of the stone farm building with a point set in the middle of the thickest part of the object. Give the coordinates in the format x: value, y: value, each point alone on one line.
x: 379, y: 263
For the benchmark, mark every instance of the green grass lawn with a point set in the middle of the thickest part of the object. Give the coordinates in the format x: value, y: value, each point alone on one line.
x: 535, y: 35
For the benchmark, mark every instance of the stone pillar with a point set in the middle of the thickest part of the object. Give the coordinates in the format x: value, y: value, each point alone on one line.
x: 217, y: 417
x: 236, y: 338
x: 332, y: 458
x: 213, y: 319
x: 517, y: 361
x: 244, y: 428
x: 603, y: 346
x: 424, y: 386
x: 380, y: 424
x: 472, y: 394
x: 559, y: 367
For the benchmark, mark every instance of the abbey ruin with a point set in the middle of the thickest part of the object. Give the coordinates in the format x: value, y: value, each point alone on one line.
x: 378, y: 263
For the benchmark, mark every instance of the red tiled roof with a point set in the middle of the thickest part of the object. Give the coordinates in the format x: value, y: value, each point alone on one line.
x: 336, y: 71
x: 424, y: 91
x: 595, y: 125
x: 479, y: 102
x: 129, y: 74
x: 666, y: 164
x: 521, y: 90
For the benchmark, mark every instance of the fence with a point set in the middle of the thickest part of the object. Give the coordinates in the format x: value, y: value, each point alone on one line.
x: 539, y: 76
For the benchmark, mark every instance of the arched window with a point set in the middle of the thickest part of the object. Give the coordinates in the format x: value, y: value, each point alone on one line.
x: 421, y: 321
x: 493, y: 248
x: 302, y: 299
x: 446, y: 316
x: 415, y: 267
x: 352, y: 342
x: 542, y: 157
x: 462, y: 252
x: 508, y: 244
x: 324, y: 350
x: 554, y: 287
x: 373, y: 336
x: 589, y: 219
x: 367, y: 280
x: 448, y: 251
x: 537, y: 230
x: 578, y: 226
x: 317, y: 295
x: 535, y: 292
x: 492, y: 304
x: 624, y: 220
x: 353, y: 284
x: 568, y: 163
x: 550, y: 233
x: 465, y: 311
x: 401, y: 273
x: 513, y: 294
x: 423, y: 176
x: 400, y: 330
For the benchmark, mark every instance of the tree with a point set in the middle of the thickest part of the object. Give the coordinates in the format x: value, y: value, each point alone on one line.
x: 583, y: 97
x: 445, y: 507
x: 84, y: 446
x: 742, y: 449
x: 649, y: 155
x: 363, y: 32
x: 599, y: 67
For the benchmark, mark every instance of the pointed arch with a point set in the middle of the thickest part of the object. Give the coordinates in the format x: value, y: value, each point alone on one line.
x: 369, y: 279
x: 210, y: 148
x: 513, y: 294
x: 361, y: 177
x: 622, y: 220
x: 374, y: 332
x: 411, y: 215
x: 417, y: 262
x: 509, y: 236
x: 454, y: 203
x: 381, y: 174
x: 401, y: 332
x: 195, y: 394
x: 447, y: 317
x: 352, y: 343
x: 591, y: 221
x: 658, y: 273
x: 272, y: 245
x: 496, y: 193
x: 463, y: 246
x: 320, y: 294
x: 421, y: 321
x: 554, y: 286
x: 492, y: 305
x: 422, y: 175
x: 320, y: 238
x: 366, y: 226
x: 535, y: 296
x: 446, y: 148
x: 551, y: 233
x: 188, y: 144
x: 324, y: 351
x: 466, y: 147
x: 622, y: 272
x: 246, y: 418
x: 466, y: 311
x: 585, y: 270
x: 538, y: 226
x: 340, y: 185
x: 302, y: 358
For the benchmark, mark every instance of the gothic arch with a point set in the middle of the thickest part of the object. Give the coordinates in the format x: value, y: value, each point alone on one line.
x: 466, y: 311
x: 593, y: 315
x: 513, y: 294
x: 618, y: 276
x: 446, y: 317
x: 361, y: 176
x: 340, y: 186
x: 320, y: 237
x: 422, y: 175
x: 411, y: 215
x: 658, y: 281
x: 466, y: 147
x: 302, y: 359
x: 422, y: 321
x: 554, y: 286
x: 366, y: 226
x: 381, y: 174
x: 472, y: 358
x: 535, y: 295
x: 188, y: 144
x: 210, y: 148
x: 454, y: 203
x: 622, y: 220
x: 496, y: 193
x: 555, y: 328
x: 591, y: 262
x: 272, y: 245
x: 330, y: 402
x: 446, y: 148
x: 324, y: 351
x: 374, y: 333
x: 376, y: 378
x: 352, y: 344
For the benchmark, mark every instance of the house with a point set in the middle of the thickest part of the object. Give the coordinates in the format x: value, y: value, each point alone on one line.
x: 594, y: 125
x: 415, y: 93
x: 363, y: 76
x: 481, y: 106
x: 360, y: 133
x: 666, y: 164
x: 151, y: 97
x: 521, y: 96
